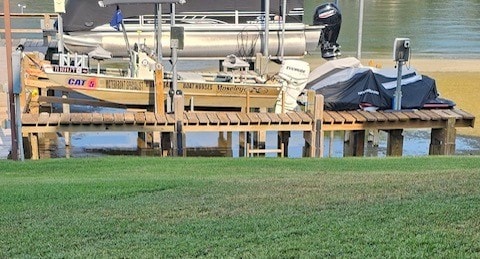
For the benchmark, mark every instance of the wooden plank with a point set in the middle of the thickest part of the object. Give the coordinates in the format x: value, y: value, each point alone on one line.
x: 29, y: 119
x: 86, y: 118
x: 75, y: 118
x: 358, y: 117
x: 306, y: 119
x: 401, y: 116
x: 253, y: 118
x: 368, y: 116
x: 202, y: 118
x: 422, y: 115
x: 379, y: 116
x: 65, y: 119
x: 447, y: 114
x: 43, y: 119
x: 232, y: 116
x: 129, y: 118
x: 223, y: 118
x: 170, y: 118
x: 337, y: 118
x: 264, y: 119
x: 389, y: 116
x: 150, y: 118
x: 433, y: 116
x: 119, y: 118
x: 160, y: 118
x: 274, y: 119
x: 294, y: 117
x: 412, y: 115
x: 97, y: 118
x: 108, y: 118
x: 139, y: 118
x: 284, y: 118
x: 347, y: 116
x: 212, y: 117
x: 191, y: 118
x: 327, y: 118
x: 243, y: 118
x: 54, y: 119
x: 464, y: 114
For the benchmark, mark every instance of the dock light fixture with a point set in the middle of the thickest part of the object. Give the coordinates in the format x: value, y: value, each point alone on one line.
x: 22, y: 6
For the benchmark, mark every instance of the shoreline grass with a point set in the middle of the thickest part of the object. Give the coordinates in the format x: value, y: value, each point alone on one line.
x: 221, y: 207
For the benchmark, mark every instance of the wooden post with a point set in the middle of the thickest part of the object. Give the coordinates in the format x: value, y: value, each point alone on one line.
x: 241, y: 143
x: 318, y: 121
x: 34, y: 144
x: 314, y: 137
x: 442, y: 141
x: 179, y: 137
x: 395, y: 142
x: 354, y: 144
x: 283, y: 138
x: 159, y: 95
x: 330, y: 143
x: 66, y: 109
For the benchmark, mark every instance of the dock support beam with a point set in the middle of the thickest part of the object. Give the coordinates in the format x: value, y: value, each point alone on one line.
x: 443, y: 140
x: 179, y: 136
x: 395, y: 142
x: 354, y: 144
x: 314, y: 138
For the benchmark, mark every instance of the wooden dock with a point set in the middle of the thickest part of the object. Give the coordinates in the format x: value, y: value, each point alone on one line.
x: 313, y: 123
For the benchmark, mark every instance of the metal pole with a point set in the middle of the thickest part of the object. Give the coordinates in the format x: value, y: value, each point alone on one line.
x: 398, y: 91
x: 159, y: 33
x: 17, y: 89
x: 174, y: 47
x: 360, y: 29
x: 284, y: 19
x: 267, y: 27
x: 11, y: 96
x: 60, y: 34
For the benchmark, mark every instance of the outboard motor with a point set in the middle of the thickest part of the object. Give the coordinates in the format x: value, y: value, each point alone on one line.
x: 293, y: 76
x: 330, y: 16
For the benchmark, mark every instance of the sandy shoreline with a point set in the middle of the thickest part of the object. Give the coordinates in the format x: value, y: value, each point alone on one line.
x: 423, y: 65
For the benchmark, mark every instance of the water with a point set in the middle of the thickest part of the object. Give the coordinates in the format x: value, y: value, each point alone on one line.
x: 436, y: 28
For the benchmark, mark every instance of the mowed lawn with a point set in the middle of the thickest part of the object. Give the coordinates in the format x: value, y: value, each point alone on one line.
x: 222, y: 207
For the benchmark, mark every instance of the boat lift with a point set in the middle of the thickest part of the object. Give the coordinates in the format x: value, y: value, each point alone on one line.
x: 158, y: 66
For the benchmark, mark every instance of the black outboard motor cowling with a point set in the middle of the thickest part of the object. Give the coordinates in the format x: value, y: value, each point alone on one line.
x: 330, y: 16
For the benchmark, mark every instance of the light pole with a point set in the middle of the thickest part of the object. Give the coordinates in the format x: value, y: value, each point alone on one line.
x: 22, y: 6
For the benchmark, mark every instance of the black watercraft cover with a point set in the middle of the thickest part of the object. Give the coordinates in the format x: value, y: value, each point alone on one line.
x: 83, y: 15
x: 347, y: 85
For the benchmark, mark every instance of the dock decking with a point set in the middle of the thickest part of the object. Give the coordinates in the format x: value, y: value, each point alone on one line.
x: 314, y: 122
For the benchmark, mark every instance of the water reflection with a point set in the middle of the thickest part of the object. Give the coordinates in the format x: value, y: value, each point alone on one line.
x: 88, y: 144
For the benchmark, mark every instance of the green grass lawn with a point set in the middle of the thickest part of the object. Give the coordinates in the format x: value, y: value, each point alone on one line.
x: 221, y: 207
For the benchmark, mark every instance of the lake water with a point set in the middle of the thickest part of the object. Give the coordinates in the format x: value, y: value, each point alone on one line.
x: 436, y: 28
